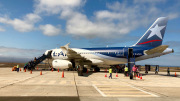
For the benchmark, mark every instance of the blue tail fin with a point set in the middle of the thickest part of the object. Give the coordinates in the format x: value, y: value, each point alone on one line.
x: 153, y: 37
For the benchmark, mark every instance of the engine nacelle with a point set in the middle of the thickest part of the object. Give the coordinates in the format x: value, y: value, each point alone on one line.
x: 61, y: 64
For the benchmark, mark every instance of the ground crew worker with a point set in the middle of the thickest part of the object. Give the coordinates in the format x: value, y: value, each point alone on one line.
x: 125, y: 71
x: 25, y: 66
x: 17, y: 68
x: 168, y: 71
x: 110, y: 72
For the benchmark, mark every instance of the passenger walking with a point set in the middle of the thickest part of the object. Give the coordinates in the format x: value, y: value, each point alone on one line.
x: 168, y: 71
x: 35, y: 59
x: 125, y: 71
x: 156, y: 70
x: 110, y: 72
x: 17, y: 68
x: 134, y: 69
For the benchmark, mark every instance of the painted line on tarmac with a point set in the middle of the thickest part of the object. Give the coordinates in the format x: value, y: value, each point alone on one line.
x: 143, y: 91
x: 99, y: 90
x: 20, y: 81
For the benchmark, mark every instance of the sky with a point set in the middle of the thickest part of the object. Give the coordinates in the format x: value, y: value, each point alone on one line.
x: 29, y: 27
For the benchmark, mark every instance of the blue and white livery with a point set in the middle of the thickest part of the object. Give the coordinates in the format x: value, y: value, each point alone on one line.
x: 148, y: 46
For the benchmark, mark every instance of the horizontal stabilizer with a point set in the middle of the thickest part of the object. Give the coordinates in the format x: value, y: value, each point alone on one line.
x: 158, y: 49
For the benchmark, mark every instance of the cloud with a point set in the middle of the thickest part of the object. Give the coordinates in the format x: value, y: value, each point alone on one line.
x: 25, y: 25
x: 50, y: 30
x: 80, y: 25
x: 32, y: 18
x: 55, y: 6
x: 14, y: 59
x: 2, y: 29
x: 149, y: 1
x: 118, y: 20
x: 120, y: 42
x: 20, y: 53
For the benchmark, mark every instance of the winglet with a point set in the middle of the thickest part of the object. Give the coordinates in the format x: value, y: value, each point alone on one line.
x: 66, y: 46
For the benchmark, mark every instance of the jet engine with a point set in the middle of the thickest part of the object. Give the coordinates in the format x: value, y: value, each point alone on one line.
x: 61, y: 64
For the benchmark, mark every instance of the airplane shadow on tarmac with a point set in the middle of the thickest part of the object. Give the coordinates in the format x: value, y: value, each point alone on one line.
x: 40, y: 98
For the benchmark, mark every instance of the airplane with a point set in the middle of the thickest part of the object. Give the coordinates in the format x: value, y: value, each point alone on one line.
x: 148, y: 46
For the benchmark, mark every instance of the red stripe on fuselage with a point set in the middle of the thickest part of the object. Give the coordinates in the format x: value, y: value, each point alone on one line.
x: 148, y: 42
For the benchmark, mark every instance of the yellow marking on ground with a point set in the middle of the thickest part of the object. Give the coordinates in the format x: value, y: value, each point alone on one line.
x: 62, y: 82
x: 72, y: 82
x: 41, y: 82
x: 129, y: 95
x: 116, y: 89
x: 30, y: 81
x: 94, y: 82
x: 112, y: 92
x: 105, y: 82
x: 112, y: 86
x: 85, y: 82
x: 51, y: 82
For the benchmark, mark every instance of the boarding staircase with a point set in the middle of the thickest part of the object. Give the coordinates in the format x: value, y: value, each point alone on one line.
x: 31, y: 64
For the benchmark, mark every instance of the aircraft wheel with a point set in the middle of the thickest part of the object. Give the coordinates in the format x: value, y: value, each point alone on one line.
x: 84, y: 70
x: 97, y: 69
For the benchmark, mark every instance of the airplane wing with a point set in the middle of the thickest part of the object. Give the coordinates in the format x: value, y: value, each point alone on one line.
x: 158, y: 49
x: 71, y: 54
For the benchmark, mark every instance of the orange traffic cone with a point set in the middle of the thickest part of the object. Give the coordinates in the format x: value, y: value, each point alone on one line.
x: 141, y: 77
x: 12, y: 69
x: 105, y: 75
x: 52, y: 69
x: 58, y: 69
x: 87, y: 71
x: 25, y: 70
x: 31, y: 72
x: 41, y: 72
x: 37, y: 67
x: 116, y: 74
x: 175, y: 74
x: 20, y: 69
x: 138, y: 75
x: 63, y: 74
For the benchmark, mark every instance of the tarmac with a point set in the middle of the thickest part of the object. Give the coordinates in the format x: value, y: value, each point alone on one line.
x: 93, y: 86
